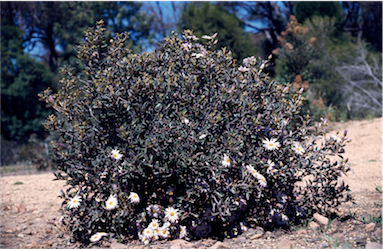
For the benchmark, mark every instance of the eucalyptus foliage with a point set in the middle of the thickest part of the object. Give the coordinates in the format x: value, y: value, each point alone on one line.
x: 187, y: 129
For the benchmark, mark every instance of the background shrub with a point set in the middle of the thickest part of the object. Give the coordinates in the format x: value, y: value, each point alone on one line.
x: 215, y: 145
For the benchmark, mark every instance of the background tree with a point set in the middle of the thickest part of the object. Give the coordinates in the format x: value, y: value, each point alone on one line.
x: 372, y: 23
x: 58, y: 26
x: 22, y: 78
x: 362, y: 91
x: 207, y: 19
x: 307, y: 10
x: 265, y: 19
x: 52, y: 29
x: 364, y: 21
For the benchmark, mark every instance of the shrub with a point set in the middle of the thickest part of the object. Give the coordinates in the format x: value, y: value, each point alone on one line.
x: 185, y: 141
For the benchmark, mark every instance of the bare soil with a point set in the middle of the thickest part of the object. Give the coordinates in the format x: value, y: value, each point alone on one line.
x: 29, y: 207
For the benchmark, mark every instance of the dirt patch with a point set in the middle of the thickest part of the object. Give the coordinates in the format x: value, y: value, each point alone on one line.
x: 30, y: 204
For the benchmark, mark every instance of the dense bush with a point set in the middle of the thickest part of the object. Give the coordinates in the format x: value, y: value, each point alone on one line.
x: 186, y: 142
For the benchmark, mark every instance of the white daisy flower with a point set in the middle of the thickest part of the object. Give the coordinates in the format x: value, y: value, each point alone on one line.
x: 202, y: 136
x: 156, y: 234
x: 226, y: 160
x: 193, y: 37
x: 153, y: 210
x: 74, y: 202
x: 95, y: 237
x: 284, y: 217
x: 261, y: 180
x: 197, y: 55
x: 271, y: 144
x: 299, y: 213
x: 145, y: 240
x: 166, y: 225
x: 249, y: 60
x: 186, y: 46
x: 243, y: 227
x: 134, y: 198
x: 207, y: 37
x: 251, y: 170
x: 298, y: 149
x: 164, y: 232
x: 154, y: 225
x: 270, y: 167
x: 116, y: 154
x: 111, y: 203
x: 171, y: 214
x: 272, y: 212
x: 336, y: 138
x: 147, y: 233
x: 183, y: 232
x: 243, y: 69
x: 185, y: 120
x: 103, y: 175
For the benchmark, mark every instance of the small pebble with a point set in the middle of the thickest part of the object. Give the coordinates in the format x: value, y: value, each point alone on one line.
x: 324, y: 245
x: 256, y: 236
x: 370, y: 227
x: 320, y: 219
x: 313, y: 225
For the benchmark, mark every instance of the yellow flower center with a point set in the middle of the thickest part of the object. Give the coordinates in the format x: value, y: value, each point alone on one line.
x: 171, y: 214
x: 153, y: 211
x: 110, y: 203
x: 228, y: 160
x: 114, y: 155
x: 271, y: 144
x: 154, y: 225
x: 164, y: 231
x: 170, y: 192
x: 74, y: 201
x: 134, y: 196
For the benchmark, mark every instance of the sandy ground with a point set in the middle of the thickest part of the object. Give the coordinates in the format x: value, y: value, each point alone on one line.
x: 365, y: 156
x: 29, y: 203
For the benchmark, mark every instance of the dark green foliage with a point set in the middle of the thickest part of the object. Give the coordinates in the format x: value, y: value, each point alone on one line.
x: 192, y: 129
x: 208, y: 18
x: 22, y: 78
x: 372, y: 23
x: 306, y: 10
x: 57, y: 27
